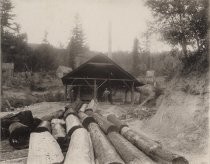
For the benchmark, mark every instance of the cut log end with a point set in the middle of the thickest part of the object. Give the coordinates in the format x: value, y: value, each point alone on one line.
x: 180, y: 160
x: 43, y: 127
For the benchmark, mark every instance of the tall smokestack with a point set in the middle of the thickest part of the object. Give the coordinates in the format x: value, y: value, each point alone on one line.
x: 110, y: 40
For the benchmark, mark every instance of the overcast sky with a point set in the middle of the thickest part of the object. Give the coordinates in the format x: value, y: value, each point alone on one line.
x: 129, y: 20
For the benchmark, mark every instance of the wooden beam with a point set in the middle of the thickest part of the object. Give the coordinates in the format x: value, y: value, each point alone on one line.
x: 78, y: 78
x: 101, y: 84
x: 132, y: 94
x: 95, y: 91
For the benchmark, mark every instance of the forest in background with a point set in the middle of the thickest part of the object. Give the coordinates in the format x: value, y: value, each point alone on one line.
x: 183, y: 24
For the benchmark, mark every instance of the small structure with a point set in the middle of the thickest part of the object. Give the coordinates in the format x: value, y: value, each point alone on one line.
x: 7, y: 70
x: 90, y: 79
x: 62, y: 71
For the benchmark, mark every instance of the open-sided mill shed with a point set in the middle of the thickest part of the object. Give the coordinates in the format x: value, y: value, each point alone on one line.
x: 90, y: 79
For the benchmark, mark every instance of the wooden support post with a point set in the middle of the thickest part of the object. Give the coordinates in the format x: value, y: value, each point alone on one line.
x: 132, y: 93
x: 65, y: 92
x: 95, y: 91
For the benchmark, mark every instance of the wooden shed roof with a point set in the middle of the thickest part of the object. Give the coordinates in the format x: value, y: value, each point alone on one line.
x: 100, y: 67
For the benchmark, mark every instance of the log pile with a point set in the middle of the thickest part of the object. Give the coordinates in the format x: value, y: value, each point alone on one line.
x: 77, y: 134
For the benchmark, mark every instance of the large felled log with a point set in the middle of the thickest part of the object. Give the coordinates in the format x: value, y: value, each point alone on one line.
x: 127, y: 151
x: 113, y: 119
x: 83, y: 107
x: 80, y: 148
x: 69, y: 111
x: 151, y: 147
x: 104, y: 151
x: 104, y: 124
x: 78, y: 105
x: 89, y: 112
x: 19, y: 135
x: 24, y: 117
x: 57, y: 114
x: 43, y: 126
x: 58, y: 130
x: 72, y: 123
x: 44, y: 149
x: 85, y: 119
x: 92, y: 106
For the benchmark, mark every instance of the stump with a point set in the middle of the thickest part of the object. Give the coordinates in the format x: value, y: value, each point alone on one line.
x: 43, y: 148
x: 104, y: 151
x: 80, y: 148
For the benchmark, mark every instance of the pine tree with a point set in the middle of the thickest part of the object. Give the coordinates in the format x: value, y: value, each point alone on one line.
x: 77, y: 43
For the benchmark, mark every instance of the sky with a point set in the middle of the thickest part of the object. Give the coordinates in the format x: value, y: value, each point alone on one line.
x: 56, y: 17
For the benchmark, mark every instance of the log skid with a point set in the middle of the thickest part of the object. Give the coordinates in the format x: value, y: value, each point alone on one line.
x: 104, y: 151
x: 72, y: 123
x: 104, y: 124
x: 80, y: 149
x: 43, y: 149
x: 127, y: 151
x: 119, y: 124
x: 85, y: 119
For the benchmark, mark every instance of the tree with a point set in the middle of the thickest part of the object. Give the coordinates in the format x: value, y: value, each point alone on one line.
x: 76, y: 45
x: 135, y: 54
x: 182, y: 22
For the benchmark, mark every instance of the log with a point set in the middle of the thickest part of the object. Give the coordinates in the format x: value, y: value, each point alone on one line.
x: 68, y: 112
x: 26, y: 118
x: 140, y: 141
x: 83, y: 107
x: 127, y: 151
x: 72, y: 123
x: 78, y: 105
x: 89, y: 111
x: 19, y: 135
x: 119, y: 124
x: 85, y: 119
x: 104, y: 151
x: 57, y: 114
x: 44, y: 149
x: 150, y: 147
x: 92, y: 105
x: 58, y: 130
x: 104, y: 124
x: 80, y: 148
x: 36, y: 122
x: 43, y: 126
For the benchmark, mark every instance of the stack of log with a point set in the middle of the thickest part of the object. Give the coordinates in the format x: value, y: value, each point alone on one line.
x: 80, y: 135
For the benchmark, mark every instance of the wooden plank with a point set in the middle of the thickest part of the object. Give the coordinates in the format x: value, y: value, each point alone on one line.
x: 80, y: 148
x: 44, y: 149
x: 104, y: 151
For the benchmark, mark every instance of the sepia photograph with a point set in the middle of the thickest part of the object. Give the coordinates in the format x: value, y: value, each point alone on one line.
x: 104, y: 82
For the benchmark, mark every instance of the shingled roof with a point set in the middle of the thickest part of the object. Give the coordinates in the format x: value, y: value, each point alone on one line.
x: 100, y: 67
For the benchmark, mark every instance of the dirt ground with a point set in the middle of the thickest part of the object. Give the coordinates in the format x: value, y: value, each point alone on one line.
x: 180, y: 120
